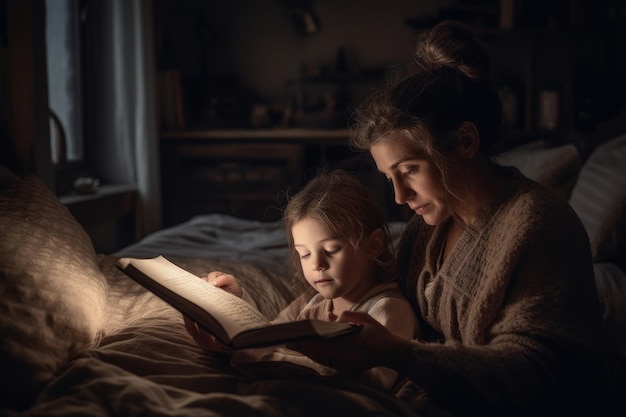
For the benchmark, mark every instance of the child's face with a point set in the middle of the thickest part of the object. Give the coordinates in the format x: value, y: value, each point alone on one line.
x: 330, y: 264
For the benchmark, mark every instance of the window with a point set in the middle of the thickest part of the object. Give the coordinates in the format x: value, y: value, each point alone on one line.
x: 64, y: 76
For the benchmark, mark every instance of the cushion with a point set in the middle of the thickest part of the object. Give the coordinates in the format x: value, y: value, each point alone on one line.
x: 53, y: 292
x: 599, y: 199
x: 555, y: 167
x: 611, y: 283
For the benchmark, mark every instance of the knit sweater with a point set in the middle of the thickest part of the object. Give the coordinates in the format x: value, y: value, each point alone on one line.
x: 515, y: 319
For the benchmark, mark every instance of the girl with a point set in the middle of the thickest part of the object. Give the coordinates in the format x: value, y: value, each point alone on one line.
x: 340, y: 248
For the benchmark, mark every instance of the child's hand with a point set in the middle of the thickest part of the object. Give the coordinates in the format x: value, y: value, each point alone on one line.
x: 203, y: 338
x: 225, y: 281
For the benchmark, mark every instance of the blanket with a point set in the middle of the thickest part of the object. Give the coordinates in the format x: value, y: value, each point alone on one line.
x: 147, y: 364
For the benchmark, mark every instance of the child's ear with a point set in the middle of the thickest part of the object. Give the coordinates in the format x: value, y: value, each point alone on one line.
x: 376, y: 242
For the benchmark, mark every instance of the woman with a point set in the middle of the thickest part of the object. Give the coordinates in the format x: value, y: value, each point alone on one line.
x: 497, y: 267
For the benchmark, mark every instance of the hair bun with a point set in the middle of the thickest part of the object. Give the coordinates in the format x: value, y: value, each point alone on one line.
x: 452, y: 45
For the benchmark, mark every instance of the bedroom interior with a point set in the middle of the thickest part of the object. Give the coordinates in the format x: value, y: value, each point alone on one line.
x: 249, y: 100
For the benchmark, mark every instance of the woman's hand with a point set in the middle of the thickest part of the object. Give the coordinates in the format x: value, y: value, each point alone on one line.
x: 373, y: 345
x: 225, y: 281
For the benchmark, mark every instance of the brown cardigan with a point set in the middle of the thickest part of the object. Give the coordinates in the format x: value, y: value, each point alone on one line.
x: 514, y: 311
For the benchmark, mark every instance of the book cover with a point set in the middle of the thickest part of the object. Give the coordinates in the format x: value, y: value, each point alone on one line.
x: 229, y: 318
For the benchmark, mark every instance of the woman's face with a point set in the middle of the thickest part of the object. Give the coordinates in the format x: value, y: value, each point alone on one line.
x: 416, y: 180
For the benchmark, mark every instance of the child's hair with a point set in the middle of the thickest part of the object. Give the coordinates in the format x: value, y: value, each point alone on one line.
x: 346, y: 208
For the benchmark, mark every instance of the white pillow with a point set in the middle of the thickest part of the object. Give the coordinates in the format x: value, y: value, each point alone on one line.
x: 611, y: 283
x: 599, y: 198
x: 550, y: 166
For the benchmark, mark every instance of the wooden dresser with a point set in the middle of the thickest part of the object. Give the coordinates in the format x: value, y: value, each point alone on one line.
x: 248, y: 173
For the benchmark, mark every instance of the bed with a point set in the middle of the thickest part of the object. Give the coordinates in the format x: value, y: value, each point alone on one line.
x: 81, y: 338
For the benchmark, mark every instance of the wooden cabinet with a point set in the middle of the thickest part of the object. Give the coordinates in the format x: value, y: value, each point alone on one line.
x: 244, y: 172
x: 243, y: 180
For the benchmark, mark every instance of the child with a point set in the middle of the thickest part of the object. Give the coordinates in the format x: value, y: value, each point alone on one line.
x: 340, y: 245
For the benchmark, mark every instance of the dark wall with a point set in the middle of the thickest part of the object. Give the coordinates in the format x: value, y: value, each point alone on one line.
x: 243, y: 52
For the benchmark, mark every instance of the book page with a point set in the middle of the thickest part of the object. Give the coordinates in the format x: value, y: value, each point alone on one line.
x: 232, y: 312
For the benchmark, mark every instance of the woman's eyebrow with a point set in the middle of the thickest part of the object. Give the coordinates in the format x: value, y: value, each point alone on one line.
x: 397, y: 163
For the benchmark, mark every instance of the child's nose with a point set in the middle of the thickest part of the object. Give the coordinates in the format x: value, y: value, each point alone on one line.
x: 319, y: 264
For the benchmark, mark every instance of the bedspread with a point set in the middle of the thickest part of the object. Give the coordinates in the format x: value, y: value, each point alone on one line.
x: 154, y: 369
x: 147, y: 364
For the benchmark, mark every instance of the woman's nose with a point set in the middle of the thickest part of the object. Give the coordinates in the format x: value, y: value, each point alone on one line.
x: 401, y: 192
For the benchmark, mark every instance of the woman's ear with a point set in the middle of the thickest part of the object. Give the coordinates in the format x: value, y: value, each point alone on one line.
x: 468, y: 139
x: 376, y: 243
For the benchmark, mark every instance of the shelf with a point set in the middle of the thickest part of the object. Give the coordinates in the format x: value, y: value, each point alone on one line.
x: 339, y: 79
x: 103, y: 192
x: 263, y: 135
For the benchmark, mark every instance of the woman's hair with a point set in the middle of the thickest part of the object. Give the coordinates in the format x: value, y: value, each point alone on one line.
x: 345, y: 207
x: 448, y: 87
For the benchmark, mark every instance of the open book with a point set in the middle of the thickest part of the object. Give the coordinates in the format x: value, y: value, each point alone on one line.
x: 230, y: 319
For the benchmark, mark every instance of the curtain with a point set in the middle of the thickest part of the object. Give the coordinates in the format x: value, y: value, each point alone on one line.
x: 122, y: 125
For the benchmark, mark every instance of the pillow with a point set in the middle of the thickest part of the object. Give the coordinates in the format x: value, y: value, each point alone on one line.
x: 611, y: 284
x: 555, y: 167
x: 53, y: 293
x: 599, y: 199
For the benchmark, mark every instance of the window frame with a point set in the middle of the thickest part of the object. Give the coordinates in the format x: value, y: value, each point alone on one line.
x: 68, y: 170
